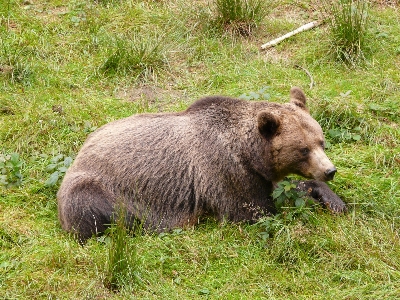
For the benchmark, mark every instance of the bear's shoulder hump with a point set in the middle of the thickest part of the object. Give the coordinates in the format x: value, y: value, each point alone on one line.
x: 213, y: 101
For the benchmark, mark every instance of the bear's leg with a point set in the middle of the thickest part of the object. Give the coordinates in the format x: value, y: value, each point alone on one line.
x: 320, y: 191
x: 85, y: 208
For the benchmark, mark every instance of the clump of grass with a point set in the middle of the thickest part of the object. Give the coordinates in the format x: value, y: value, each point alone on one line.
x: 141, y: 56
x: 348, y: 21
x: 240, y: 16
x: 122, y: 255
x: 14, y: 61
x: 15, y: 70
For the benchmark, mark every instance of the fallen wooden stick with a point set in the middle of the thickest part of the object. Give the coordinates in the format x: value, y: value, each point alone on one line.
x: 305, y: 27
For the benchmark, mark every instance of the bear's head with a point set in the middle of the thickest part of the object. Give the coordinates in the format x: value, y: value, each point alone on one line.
x: 295, y: 140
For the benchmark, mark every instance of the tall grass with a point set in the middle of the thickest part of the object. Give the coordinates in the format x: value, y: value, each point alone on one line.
x: 240, y: 16
x: 348, y: 23
x: 122, y: 255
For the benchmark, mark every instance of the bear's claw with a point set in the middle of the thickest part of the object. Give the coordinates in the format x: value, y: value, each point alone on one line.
x: 321, y: 192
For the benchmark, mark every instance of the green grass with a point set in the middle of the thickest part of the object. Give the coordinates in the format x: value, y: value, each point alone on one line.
x: 54, y: 91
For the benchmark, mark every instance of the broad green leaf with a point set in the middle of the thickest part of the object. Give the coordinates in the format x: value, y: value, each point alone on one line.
x: 334, y: 133
x: 68, y: 161
x: 62, y: 169
x: 57, y: 158
x: 279, y: 201
x: 52, y: 179
x: 328, y: 145
x: 51, y: 167
x: 14, y: 159
x: 347, y: 136
x: 204, y: 291
x: 3, y: 180
x: 277, y: 192
x: 266, y: 96
x: 288, y: 187
x: 299, y: 202
x: 264, y: 235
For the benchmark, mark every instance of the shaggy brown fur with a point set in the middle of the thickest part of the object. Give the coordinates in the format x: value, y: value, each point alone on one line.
x: 219, y: 157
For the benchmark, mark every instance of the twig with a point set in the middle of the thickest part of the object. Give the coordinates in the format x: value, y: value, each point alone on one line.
x: 312, y: 83
x: 305, y: 27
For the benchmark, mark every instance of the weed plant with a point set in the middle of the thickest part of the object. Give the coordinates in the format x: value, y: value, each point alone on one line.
x: 10, y: 170
x: 240, y: 16
x: 293, y: 206
x: 261, y: 94
x: 58, y: 166
x: 286, y: 195
x: 348, y: 24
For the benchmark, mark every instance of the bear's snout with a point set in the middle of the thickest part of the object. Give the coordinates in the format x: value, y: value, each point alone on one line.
x: 318, y: 167
x: 330, y: 173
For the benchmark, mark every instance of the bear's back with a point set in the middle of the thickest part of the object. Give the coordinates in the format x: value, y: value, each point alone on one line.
x: 215, y: 103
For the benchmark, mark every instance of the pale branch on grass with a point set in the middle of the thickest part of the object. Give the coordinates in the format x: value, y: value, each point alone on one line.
x: 276, y: 41
x: 312, y: 83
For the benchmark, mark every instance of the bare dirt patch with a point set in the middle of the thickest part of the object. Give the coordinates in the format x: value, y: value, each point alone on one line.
x: 49, y: 14
x: 391, y: 3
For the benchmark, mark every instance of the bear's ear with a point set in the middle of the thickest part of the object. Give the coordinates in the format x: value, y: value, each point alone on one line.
x: 298, y: 98
x: 268, y: 124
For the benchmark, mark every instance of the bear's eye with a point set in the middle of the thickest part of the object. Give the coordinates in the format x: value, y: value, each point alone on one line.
x: 323, y: 145
x: 305, y: 151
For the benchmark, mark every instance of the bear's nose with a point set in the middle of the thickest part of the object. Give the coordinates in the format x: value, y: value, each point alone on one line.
x: 330, y: 173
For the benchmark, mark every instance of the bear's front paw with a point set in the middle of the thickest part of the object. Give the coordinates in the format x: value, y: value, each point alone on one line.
x: 328, y: 198
x: 335, y: 205
x: 322, y: 193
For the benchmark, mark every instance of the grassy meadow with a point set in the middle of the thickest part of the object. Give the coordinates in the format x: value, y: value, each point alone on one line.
x: 68, y: 67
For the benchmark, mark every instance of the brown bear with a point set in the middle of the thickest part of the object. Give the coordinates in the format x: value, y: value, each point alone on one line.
x: 217, y: 158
